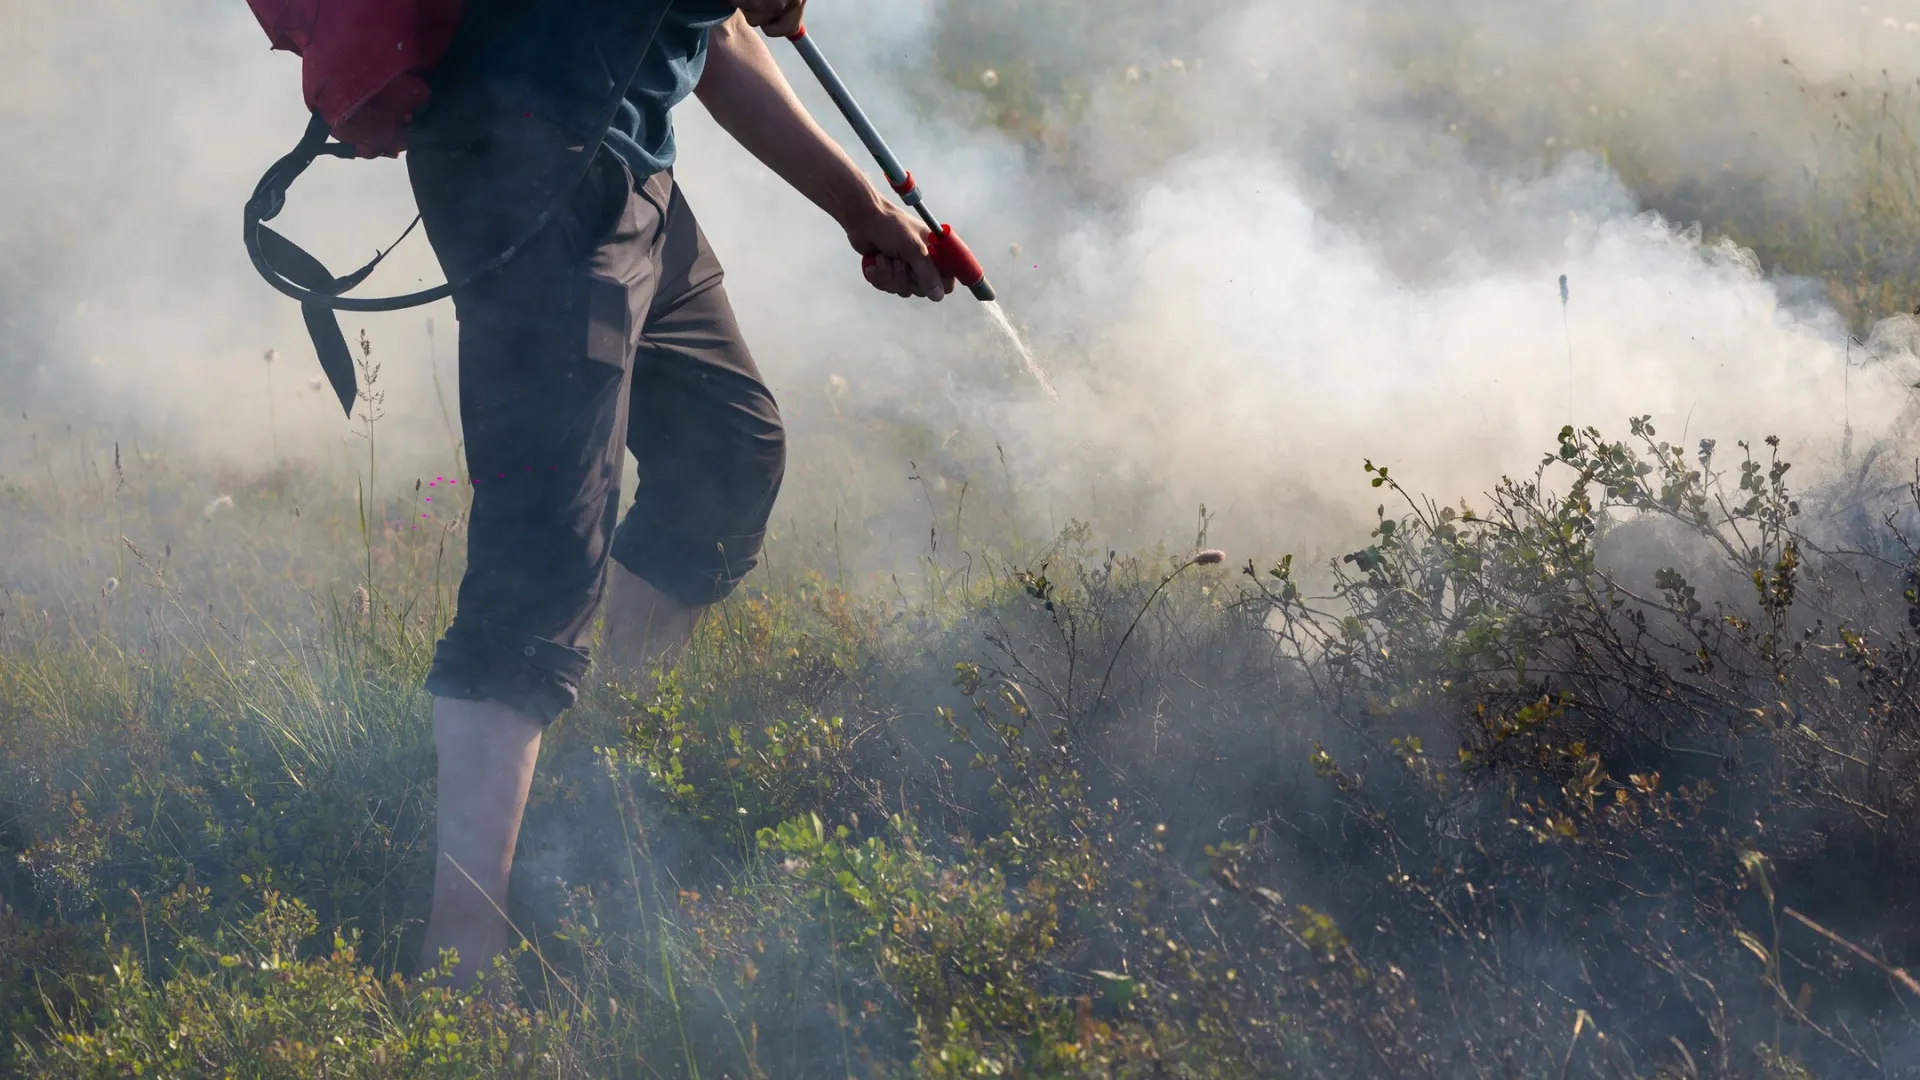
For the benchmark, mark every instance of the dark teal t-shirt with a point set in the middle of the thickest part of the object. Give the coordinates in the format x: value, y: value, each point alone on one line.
x: 561, y: 58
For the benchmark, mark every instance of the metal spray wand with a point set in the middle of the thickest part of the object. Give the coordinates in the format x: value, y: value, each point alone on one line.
x: 945, y: 247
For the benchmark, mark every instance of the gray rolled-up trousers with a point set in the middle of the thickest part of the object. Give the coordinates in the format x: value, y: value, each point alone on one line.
x: 610, y: 331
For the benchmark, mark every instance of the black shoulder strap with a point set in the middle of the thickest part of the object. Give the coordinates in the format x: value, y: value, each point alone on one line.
x: 288, y: 268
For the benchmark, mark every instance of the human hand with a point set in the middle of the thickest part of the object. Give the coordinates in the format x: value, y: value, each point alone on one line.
x: 896, y: 242
x: 777, y: 18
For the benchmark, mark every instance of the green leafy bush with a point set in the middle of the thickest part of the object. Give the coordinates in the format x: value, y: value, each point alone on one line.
x: 247, y: 1003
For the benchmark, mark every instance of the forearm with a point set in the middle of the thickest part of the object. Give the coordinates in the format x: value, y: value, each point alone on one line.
x: 747, y: 95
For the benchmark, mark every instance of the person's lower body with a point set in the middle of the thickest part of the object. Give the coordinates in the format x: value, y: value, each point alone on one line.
x: 610, y: 331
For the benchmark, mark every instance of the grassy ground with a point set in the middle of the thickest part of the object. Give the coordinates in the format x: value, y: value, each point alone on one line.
x: 1477, y: 806
x: 1608, y: 773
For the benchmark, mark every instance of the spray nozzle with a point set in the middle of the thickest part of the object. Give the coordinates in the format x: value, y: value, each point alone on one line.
x: 952, y: 257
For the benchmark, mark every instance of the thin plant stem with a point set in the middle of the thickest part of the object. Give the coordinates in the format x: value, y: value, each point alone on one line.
x: 839, y: 998
x: 1101, y: 694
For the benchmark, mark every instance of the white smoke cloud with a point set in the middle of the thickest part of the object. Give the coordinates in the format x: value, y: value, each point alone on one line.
x: 1256, y: 248
x: 1279, y: 260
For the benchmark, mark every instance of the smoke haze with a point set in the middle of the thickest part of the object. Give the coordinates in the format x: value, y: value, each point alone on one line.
x: 1256, y: 243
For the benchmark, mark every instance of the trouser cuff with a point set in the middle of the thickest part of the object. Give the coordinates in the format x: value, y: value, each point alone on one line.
x: 528, y: 674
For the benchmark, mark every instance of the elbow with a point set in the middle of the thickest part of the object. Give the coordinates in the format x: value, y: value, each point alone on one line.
x: 726, y: 36
x: 723, y: 43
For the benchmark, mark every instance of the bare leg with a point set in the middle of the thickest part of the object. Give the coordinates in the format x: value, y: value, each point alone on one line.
x: 645, y: 627
x: 486, y: 755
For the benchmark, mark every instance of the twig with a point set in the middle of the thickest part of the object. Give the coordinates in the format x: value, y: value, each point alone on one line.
x: 1579, y: 1025
x: 1898, y: 975
x: 1204, y: 558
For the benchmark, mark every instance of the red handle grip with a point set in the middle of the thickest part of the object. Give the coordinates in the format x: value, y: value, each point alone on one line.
x: 950, y: 256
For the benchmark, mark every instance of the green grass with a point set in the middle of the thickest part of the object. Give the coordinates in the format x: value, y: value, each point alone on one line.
x: 1480, y: 799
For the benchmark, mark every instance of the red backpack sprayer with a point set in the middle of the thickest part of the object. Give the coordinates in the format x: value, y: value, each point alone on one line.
x: 365, y: 68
